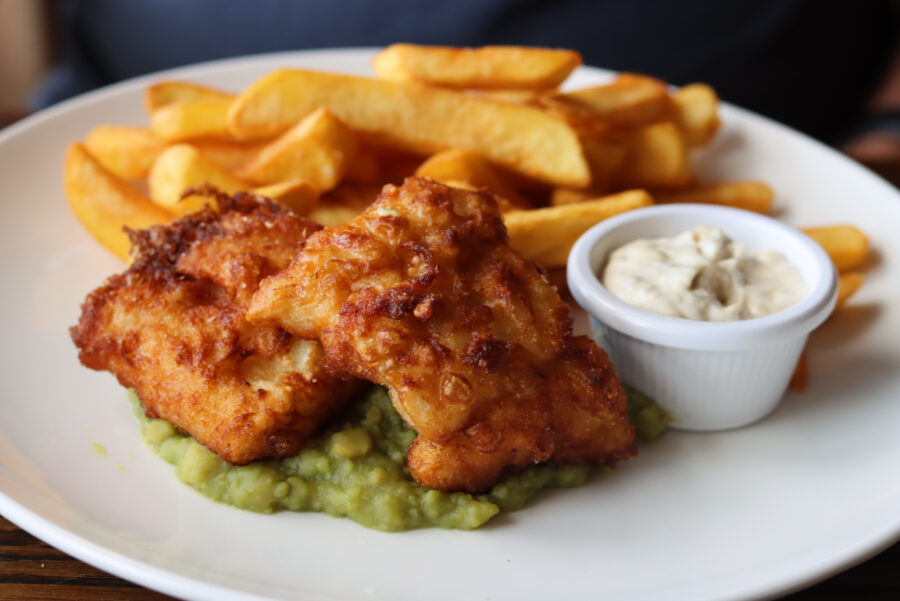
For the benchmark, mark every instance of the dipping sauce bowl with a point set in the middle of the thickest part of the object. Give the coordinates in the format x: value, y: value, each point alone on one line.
x: 709, y: 375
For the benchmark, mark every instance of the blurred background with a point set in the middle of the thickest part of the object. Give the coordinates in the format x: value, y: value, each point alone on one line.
x: 25, y: 54
x: 827, y: 68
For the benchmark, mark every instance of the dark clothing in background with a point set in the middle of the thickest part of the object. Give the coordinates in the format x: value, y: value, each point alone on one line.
x: 806, y: 63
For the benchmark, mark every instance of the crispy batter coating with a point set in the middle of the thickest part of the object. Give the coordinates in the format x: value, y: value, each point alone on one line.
x: 422, y: 294
x: 172, y: 327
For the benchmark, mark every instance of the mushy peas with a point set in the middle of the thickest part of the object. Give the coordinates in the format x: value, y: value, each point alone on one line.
x: 357, y: 469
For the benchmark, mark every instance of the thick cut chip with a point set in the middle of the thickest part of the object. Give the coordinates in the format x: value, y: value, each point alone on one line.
x: 606, y: 158
x: 848, y: 284
x: 417, y: 118
x: 751, y: 196
x: 567, y: 196
x: 319, y: 150
x: 530, y: 97
x: 547, y: 235
x: 486, y: 68
x: 202, y: 119
x: 128, y: 152
x: 105, y: 203
x: 630, y: 100
x: 847, y: 246
x: 657, y: 157
x: 696, y: 113
x: 297, y: 195
x: 422, y: 294
x: 181, y: 167
x: 172, y: 327
x: 164, y: 93
x: 233, y: 155
x: 470, y: 167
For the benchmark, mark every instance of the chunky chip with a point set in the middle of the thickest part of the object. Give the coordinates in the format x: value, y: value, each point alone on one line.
x: 128, y: 152
x: 104, y: 203
x: 547, y: 235
x: 485, y: 68
x: 164, y: 93
x: 848, y: 284
x: 696, y: 113
x: 469, y: 167
x: 630, y: 100
x: 299, y: 196
x: 182, y: 167
x: 417, y: 118
x: 318, y: 150
x: 233, y: 155
x: 656, y: 157
x: 751, y: 196
x: 847, y: 246
x: 200, y: 119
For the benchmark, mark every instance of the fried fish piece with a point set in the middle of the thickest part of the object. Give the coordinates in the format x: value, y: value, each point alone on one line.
x: 422, y: 294
x: 172, y: 327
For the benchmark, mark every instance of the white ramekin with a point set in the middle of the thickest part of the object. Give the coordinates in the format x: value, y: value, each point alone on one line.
x: 709, y: 375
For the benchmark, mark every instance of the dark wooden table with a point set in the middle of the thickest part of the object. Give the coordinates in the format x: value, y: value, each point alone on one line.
x: 33, y: 570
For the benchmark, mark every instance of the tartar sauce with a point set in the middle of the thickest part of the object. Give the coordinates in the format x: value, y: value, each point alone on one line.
x: 702, y: 275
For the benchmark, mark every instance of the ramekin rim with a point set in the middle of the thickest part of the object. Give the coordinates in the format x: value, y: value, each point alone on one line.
x: 797, y: 320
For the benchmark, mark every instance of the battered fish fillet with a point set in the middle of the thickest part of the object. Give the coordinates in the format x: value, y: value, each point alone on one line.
x: 172, y: 327
x: 422, y: 294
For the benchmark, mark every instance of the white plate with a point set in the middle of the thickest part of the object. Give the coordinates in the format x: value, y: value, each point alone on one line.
x: 736, y: 515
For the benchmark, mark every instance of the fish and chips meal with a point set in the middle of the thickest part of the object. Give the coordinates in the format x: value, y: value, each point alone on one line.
x: 343, y: 293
